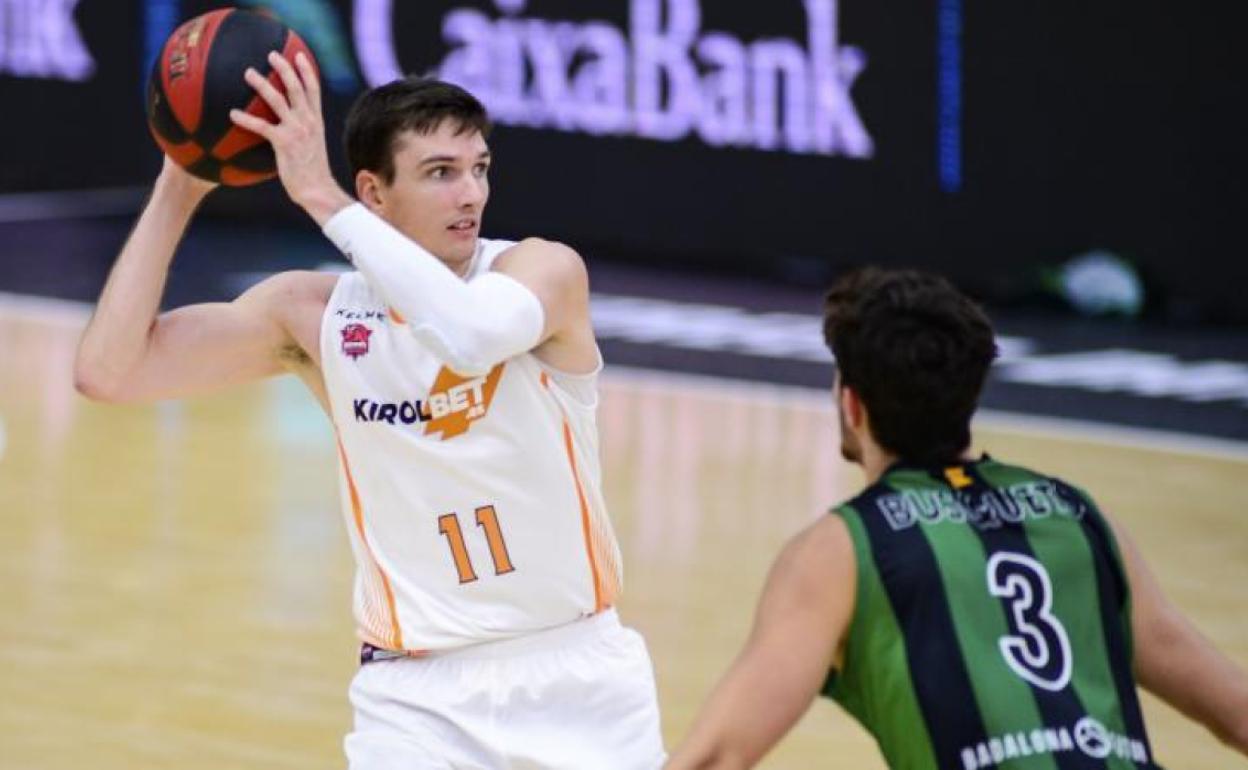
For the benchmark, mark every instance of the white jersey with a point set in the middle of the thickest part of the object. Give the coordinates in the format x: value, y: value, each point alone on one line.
x: 473, y: 505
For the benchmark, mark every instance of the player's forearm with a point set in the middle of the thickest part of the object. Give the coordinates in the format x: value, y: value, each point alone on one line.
x: 119, y: 332
x: 472, y: 325
x: 1222, y: 706
x: 1235, y: 733
x: 704, y: 758
x: 720, y: 739
x: 704, y: 750
x: 1175, y: 662
x: 730, y: 733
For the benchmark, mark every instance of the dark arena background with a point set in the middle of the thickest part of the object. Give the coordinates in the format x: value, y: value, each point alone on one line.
x: 1079, y: 168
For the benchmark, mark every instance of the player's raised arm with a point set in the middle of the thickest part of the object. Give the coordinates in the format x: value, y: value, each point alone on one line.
x: 801, y: 621
x: 557, y: 276
x: 130, y: 353
x: 1177, y: 663
x: 537, y: 292
x: 472, y: 324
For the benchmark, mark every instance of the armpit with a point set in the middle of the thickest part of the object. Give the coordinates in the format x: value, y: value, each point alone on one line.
x: 293, y: 356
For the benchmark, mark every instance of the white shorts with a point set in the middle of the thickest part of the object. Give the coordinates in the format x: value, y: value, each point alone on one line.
x: 580, y: 697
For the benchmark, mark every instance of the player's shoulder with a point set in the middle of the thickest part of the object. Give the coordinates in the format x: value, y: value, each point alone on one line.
x: 556, y: 261
x: 302, y: 285
x: 297, y: 284
x: 536, y: 245
x: 864, y: 500
x: 824, y: 550
x: 829, y: 533
x: 292, y: 291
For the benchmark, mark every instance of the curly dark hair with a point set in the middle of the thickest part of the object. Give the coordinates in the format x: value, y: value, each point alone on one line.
x: 917, y: 352
x: 417, y: 104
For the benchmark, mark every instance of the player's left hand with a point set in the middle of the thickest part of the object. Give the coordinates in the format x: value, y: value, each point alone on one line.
x: 298, y: 136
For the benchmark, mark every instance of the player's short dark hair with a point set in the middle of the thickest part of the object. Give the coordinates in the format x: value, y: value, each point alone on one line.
x: 417, y: 104
x: 917, y: 352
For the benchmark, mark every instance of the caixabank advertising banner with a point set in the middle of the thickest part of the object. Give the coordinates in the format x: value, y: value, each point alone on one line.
x: 790, y: 138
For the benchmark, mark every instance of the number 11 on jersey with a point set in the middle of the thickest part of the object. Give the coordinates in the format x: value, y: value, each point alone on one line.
x: 487, y: 520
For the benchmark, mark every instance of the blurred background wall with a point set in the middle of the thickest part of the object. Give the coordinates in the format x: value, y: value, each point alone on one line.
x: 784, y: 140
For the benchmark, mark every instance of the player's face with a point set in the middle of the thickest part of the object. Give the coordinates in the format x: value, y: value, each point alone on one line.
x: 440, y: 188
x: 851, y: 448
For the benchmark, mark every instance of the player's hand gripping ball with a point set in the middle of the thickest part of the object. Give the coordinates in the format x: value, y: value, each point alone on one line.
x: 198, y: 79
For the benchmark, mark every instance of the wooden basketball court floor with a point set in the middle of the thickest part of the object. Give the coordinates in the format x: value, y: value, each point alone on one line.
x: 174, y: 578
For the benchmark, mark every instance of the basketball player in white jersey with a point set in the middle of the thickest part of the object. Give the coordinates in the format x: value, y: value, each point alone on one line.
x: 459, y: 374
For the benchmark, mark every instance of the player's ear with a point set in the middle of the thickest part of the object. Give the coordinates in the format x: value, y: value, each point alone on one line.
x: 852, y: 407
x: 368, y: 188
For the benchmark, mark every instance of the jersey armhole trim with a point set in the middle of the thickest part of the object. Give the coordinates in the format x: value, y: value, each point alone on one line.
x: 582, y: 389
x: 861, y: 551
x: 323, y: 339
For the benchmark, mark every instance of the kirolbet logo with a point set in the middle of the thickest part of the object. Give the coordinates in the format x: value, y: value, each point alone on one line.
x: 452, y: 406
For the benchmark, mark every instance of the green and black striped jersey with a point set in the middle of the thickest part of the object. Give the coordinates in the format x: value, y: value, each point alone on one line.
x: 992, y: 624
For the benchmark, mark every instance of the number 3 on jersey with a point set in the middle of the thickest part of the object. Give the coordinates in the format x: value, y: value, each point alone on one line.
x: 487, y: 520
x: 1037, y: 647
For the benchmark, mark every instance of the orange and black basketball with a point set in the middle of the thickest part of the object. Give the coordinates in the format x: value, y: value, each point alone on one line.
x: 198, y: 79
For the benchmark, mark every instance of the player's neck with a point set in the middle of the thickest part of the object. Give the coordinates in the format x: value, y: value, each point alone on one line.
x: 875, y: 461
x: 463, y: 267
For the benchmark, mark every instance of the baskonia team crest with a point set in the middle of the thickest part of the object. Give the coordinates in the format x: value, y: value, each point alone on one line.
x: 355, y: 340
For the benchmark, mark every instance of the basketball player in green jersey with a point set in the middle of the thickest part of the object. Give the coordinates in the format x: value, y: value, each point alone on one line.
x: 969, y: 613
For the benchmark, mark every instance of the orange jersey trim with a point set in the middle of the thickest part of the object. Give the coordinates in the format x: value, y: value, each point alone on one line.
x: 580, y: 495
x: 586, y: 527
x: 357, y: 510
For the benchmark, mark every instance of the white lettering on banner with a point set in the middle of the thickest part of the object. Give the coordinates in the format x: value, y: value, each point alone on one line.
x: 661, y: 79
x: 1135, y: 372
x: 40, y: 39
x: 695, y: 326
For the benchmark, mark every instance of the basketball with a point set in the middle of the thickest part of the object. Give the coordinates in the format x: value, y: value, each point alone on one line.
x: 198, y: 79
